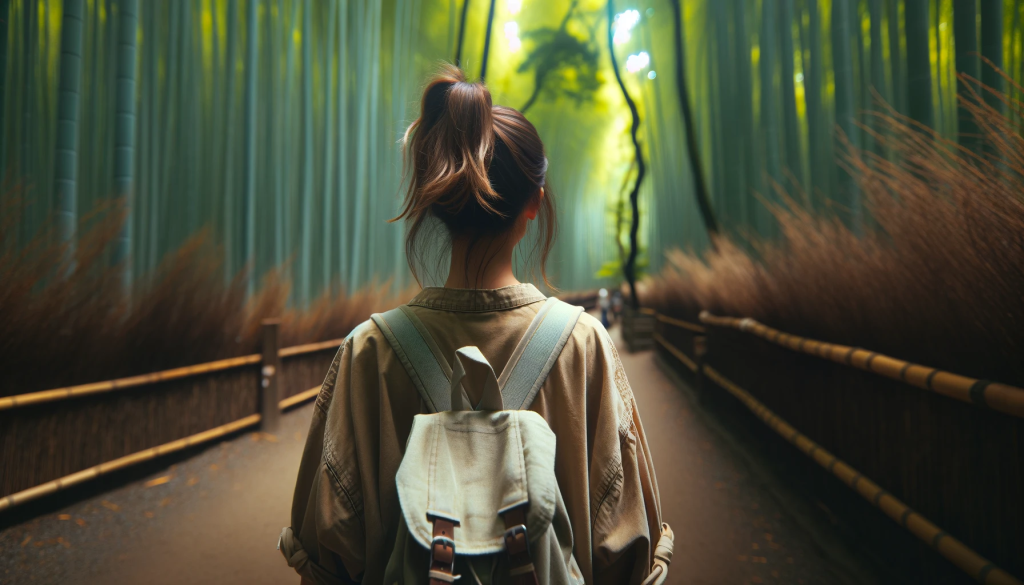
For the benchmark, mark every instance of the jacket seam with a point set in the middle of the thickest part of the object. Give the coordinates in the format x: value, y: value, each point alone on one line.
x: 357, y: 510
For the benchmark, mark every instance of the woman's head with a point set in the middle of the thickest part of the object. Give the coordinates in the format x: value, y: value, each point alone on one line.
x: 477, y: 168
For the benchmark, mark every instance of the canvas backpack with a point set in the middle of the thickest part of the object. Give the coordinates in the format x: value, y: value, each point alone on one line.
x: 477, y: 484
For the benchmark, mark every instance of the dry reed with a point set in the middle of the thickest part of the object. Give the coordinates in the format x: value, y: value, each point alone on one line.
x: 936, y: 278
x: 72, y: 323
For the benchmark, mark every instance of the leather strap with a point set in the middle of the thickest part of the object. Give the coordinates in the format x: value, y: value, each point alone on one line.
x: 442, y: 552
x: 517, y: 543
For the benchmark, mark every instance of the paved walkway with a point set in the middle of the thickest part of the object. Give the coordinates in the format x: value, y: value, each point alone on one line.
x: 215, y: 517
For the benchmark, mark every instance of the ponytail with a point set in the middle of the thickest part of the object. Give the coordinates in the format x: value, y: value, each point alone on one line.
x: 474, y: 166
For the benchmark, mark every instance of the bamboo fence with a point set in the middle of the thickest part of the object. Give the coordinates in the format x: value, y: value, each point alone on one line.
x: 984, y: 393
x: 956, y: 465
x: 53, y: 439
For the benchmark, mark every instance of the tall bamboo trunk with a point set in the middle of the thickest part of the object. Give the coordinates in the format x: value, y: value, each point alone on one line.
x: 630, y: 267
x: 842, y: 66
x: 329, y: 193
x: 965, y: 31
x: 769, y: 110
x: 877, y: 72
x: 4, y: 10
x: 793, y: 163
x: 462, y: 32
x: 343, y: 162
x: 124, y: 136
x: 487, y: 42
x: 229, y: 143
x: 751, y: 209
x: 819, y: 149
x: 992, y: 52
x: 725, y: 77
x: 920, y: 107
x: 700, y: 188
x: 897, y: 66
x: 66, y: 155
x: 992, y: 47
x: 248, y: 239
x: 305, y: 255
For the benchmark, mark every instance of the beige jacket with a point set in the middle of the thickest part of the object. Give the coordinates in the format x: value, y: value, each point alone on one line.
x: 345, y: 510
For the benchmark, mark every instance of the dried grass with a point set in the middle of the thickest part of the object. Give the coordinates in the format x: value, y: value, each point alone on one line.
x: 937, y: 278
x: 83, y: 328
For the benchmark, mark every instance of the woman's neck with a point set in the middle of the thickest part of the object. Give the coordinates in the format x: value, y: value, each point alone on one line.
x: 483, y: 264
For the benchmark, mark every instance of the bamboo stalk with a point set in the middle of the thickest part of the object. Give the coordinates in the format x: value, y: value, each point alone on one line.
x: 985, y: 393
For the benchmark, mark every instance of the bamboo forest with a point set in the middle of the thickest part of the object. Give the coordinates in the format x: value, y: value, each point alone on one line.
x: 798, y: 226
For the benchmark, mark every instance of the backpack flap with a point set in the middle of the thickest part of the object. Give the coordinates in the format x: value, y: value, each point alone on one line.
x: 471, y: 466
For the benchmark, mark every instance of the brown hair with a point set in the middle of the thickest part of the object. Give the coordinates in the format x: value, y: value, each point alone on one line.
x: 474, y: 166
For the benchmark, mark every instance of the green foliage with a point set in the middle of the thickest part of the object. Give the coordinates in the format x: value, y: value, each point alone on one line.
x: 563, y: 65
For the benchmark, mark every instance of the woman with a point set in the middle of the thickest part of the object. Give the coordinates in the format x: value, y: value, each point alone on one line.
x: 477, y: 174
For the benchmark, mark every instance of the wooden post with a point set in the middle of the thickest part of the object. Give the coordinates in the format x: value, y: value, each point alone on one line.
x: 269, y: 394
x: 700, y: 348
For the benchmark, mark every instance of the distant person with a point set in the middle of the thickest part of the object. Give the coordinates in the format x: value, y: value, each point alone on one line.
x: 390, y: 492
x: 616, y: 304
x: 604, y: 304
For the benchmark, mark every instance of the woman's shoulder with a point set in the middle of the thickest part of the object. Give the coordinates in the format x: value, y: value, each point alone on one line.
x: 590, y: 330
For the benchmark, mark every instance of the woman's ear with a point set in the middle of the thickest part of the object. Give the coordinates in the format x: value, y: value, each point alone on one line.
x: 533, y: 207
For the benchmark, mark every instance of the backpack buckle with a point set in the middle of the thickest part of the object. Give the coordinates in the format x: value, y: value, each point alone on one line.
x: 516, y: 542
x: 442, y: 551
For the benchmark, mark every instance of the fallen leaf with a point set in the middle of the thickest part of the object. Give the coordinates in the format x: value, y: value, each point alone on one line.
x: 719, y: 484
x: 213, y: 467
x: 255, y: 437
x: 148, y: 514
x: 741, y: 558
x: 63, y: 542
x: 270, y: 438
x: 164, y: 502
x: 64, y: 517
x: 298, y: 436
x: 192, y: 481
x: 754, y: 545
x: 80, y: 521
x: 768, y: 536
x: 158, y: 481
x: 110, y: 506
x: 775, y: 574
x: 27, y: 540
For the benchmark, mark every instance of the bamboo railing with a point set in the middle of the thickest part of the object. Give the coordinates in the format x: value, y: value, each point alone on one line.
x: 58, y: 394
x: 267, y: 387
x: 147, y: 454
x: 962, y: 556
x: 983, y: 393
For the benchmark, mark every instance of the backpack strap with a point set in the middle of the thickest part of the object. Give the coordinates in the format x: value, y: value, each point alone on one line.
x: 419, y: 353
x: 536, y: 353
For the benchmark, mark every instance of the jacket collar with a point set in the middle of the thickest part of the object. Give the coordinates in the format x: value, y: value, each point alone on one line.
x: 465, y: 300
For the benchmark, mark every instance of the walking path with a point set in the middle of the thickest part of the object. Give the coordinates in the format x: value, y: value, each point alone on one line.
x: 215, y: 518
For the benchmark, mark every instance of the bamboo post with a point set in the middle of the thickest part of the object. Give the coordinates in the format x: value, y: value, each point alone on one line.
x: 700, y: 348
x: 269, y: 394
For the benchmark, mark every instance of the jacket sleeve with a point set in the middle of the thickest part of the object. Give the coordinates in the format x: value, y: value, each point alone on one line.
x: 325, y: 542
x: 624, y: 491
